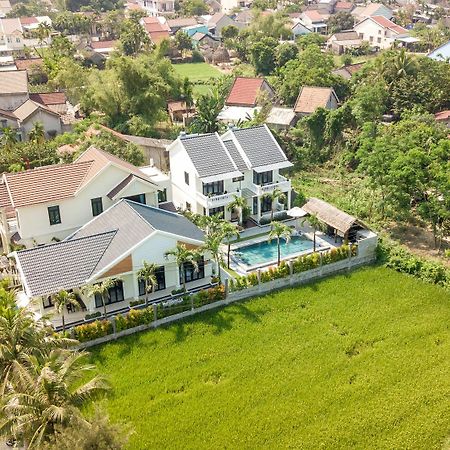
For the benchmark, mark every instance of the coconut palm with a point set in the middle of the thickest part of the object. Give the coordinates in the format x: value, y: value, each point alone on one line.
x: 280, y: 231
x: 22, y: 337
x: 101, y: 289
x: 183, y: 255
x: 37, y: 133
x: 238, y: 204
x: 275, y: 196
x: 315, y: 223
x: 49, y: 393
x: 212, y: 244
x: 147, y: 274
x: 8, y: 138
x: 211, y: 225
x: 62, y: 300
x: 229, y: 232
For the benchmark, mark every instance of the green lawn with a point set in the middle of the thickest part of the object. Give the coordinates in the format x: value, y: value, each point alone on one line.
x: 355, y: 361
x: 198, y: 72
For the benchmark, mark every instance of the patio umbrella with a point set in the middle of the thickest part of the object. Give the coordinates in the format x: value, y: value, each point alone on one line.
x: 297, y: 213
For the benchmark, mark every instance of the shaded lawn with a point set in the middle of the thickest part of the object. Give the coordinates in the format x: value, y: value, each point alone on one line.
x: 354, y: 361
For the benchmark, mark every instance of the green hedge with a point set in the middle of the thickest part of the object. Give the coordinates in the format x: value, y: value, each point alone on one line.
x: 136, y: 317
x: 300, y: 264
x: 399, y: 259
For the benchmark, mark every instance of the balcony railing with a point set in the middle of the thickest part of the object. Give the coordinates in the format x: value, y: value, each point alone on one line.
x: 215, y: 201
x: 283, y: 184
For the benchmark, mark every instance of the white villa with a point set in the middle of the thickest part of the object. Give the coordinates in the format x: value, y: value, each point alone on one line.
x: 208, y: 171
x: 48, y: 203
x: 112, y: 245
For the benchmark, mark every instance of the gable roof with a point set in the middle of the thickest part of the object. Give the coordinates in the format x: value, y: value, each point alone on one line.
x: 386, y: 23
x: 244, y: 91
x: 182, y: 22
x: 27, y: 64
x: 235, y: 155
x: 441, y: 53
x: 9, y: 26
x: 258, y: 147
x: 14, y: 82
x: 98, y: 45
x: 49, y: 98
x: 209, y: 155
x: 29, y: 107
x: 314, y: 16
x: 346, y: 36
x: 312, y: 97
x: 98, y: 245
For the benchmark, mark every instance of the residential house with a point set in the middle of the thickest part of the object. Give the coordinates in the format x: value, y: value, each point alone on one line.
x: 208, y: 171
x: 218, y: 21
x: 281, y: 118
x: 326, y: 6
x: 13, y: 89
x: 7, y: 63
x: 246, y: 91
x: 347, y: 71
x: 314, y: 21
x: 312, y: 97
x: 204, y: 40
x: 343, y: 7
x: 370, y: 10
x: 179, y: 112
x: 298, y: 29
x: 156, y: 29
x: 29, y: 64
x: 182, y: 22
x: 5, y: 8
x: 8, y: 120
x: 229, y: 5
x: 345, y: 40
x: 197, y: 28
x: 379, y: 32
x: 104, y: 47
x: 113, y: 245
x: 157, y: 7
x: 51, y: 202
x: 441, y: 53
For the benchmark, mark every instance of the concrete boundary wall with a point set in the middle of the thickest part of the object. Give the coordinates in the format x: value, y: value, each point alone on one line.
x: 296, y: 279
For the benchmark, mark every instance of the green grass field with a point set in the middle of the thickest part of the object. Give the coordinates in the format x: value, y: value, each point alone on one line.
x: 355, y: 361
x: 198, y: 72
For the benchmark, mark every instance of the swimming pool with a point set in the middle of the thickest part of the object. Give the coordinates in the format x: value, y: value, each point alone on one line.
x: 266, y: 252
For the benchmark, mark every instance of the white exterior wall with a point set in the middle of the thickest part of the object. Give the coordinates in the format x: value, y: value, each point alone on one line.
x: 375, y: 34
x: 51, y: 123
x: 33, y: 221
x: 10, y: 102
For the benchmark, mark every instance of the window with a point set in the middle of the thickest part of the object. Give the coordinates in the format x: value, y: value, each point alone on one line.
x: 186, y: 177
x: 263, y: 177
x: 97, y: 206
x: 266, y: 204
x: 54, y: 215
x: 379, y: 40
x: 140, y: 198
x: 47, y: 302
x: 190, y: 274
x: 162, y: 196
x: 219, y: 210
x: 255, y: 205
x: 236, y: 179
x: 188, y: 206
x: 215, y: 188
x: 160, y: 281
x: 115, y: 295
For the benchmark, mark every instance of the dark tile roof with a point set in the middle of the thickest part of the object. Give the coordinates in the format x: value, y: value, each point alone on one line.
x: 208, y: 154
x: 237, y: 157
x: 50, y: 268
x: 170, y: 222
x: 259, y: 146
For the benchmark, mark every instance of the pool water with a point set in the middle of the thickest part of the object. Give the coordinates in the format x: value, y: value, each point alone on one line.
x: 266, y: 252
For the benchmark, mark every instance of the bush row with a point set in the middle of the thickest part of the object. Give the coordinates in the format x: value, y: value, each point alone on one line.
x: 136, y: 317
x: 300, y: 264
x: 399, y: 259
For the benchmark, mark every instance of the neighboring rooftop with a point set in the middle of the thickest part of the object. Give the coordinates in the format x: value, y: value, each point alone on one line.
x: 441, y: 53
x: 27, y: 64
x: 386, y: 23
x: 245, y: 91
x: 28, y: 108
x: 14, y: 82
x: 49, y: 98
x: 312, y: 97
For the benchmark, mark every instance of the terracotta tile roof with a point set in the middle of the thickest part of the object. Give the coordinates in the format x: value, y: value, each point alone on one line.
x: 183, y: 22
x: 28, y: 20
x: 178, y: 106
x: 49, y: 98
x: 443, y: 115
x: 46, y: 184
x: 343, y: 5
x: 153, y: 24
x: 244, y: 91
x: 215, y: 19
x: 157, y: 36
x: 314, y: 15
x: 8, y: 114
x: 27, y: 64
x: 14, y: 82
x: 386, y: 23
x: 103, y: 44
x: 9, y: 26
x: 5, y: 201
x: 311, y: 98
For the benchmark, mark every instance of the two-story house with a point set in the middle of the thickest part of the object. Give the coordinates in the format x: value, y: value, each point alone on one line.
x: 48, y: 203
x: 113, y: 245
x: 380, y: 32
x: 157, y: 7
x: 208, y: 171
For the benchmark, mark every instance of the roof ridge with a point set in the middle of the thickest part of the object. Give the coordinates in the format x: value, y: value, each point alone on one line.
x: 42, y: 168
x: 151, y: 207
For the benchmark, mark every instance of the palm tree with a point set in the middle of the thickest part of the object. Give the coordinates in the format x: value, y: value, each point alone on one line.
x: 239, y: 204
x: 101, y: 289
x: 42, y: 32
x: 49, y: 393
x: 147, y: 274
x: 274, y: 196
x: 404, y: 64
x: 22, y: 337
x: 212, y: 244
x: 229, y: 232
x: 9, y: 138
x: 315, y: 224
x: 280, y: 231
x: 183, y: 255
x: 62, y: 300
x: 37, y: 133
x: 211, y: 224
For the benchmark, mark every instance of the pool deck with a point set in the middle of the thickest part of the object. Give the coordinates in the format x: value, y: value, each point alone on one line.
x: 323, y: 242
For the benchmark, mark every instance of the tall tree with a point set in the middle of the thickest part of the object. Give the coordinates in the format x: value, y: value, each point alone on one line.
x: 102, y: 290
x: 62, y: 300
x: 280, y: 231
x: 208, y: 108
x: 275, y: 196
x: 230, y: 232
x: 182, y: 256
x: 238, y: 204
x: 147, y: 274
x: 315, y: 224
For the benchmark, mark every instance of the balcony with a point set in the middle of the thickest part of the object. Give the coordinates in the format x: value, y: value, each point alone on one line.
x: 216, y: 201
x: 283, y: 184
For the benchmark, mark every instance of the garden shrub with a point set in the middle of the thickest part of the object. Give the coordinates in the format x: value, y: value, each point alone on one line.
x: 137, y: 302
x: 94, y: 330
